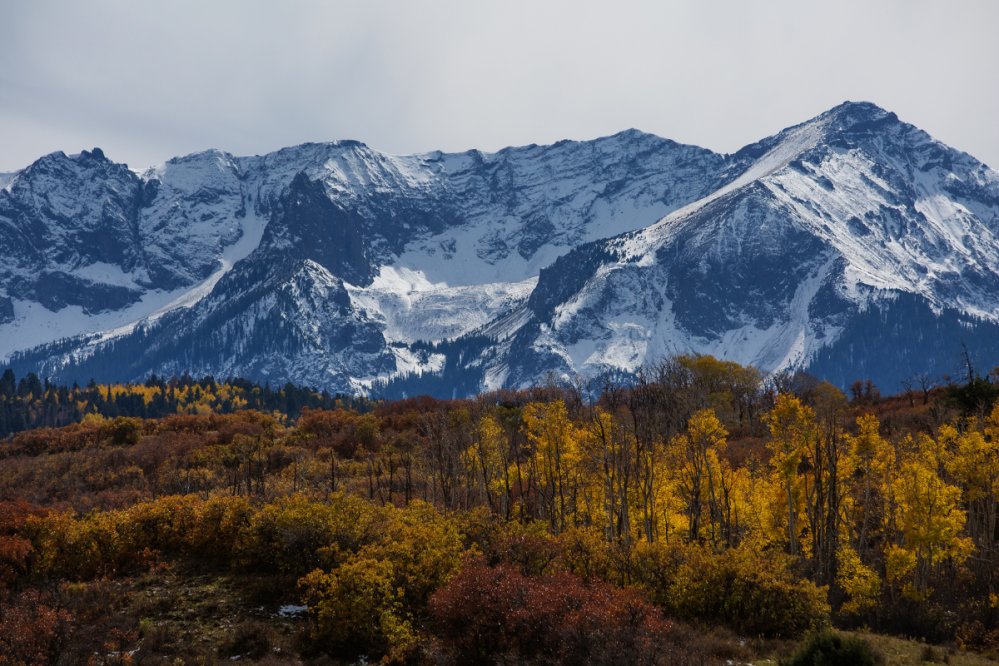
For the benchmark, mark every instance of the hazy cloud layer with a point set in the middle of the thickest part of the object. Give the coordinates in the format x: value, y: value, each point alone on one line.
x: 146, y: 81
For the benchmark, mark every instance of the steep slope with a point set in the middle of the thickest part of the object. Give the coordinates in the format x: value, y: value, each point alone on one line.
x: 91, y: 246
x: 854, y: 244
x: 429, y: 246
x: 68, y: 227
x: 833, y: 217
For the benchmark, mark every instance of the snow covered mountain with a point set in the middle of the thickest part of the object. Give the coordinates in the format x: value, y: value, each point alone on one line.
x: 853, y: 213
x: 854, y: 245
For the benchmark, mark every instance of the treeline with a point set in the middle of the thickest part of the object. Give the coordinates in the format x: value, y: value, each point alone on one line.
x: 33, y: 403
x: 565, y: 523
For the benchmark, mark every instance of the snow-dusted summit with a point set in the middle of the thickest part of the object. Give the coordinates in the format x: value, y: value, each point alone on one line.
x: 831, y: 225
x: 854, y: 245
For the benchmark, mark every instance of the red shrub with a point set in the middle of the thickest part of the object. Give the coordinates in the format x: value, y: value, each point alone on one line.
x: 222, y: 426
x: 51, y: 440
x: 532, y: 556
x: 14, y: 549
x: 489, y: 612
x: 347, y: 433
x: 32, y: 630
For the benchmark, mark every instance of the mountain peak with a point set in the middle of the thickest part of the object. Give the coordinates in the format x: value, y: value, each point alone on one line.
x: 578, y: 256
x: 858, y: 109
x: 858, y: 118
x: 96, y: 155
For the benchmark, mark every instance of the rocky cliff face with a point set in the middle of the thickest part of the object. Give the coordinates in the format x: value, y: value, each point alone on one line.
x: 335, y: 265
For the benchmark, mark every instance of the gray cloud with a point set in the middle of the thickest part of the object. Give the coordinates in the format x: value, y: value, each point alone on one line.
x: 146, y: 81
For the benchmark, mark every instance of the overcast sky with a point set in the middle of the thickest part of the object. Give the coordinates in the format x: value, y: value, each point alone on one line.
x: 146, y: 81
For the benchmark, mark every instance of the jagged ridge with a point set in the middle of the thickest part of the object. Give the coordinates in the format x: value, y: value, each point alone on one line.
x: 577, y: 257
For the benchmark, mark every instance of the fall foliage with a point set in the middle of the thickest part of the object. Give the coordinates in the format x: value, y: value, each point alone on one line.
x: 566, y: 523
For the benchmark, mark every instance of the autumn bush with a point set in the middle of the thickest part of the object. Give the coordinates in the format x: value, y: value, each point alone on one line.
x: 298, y: 533
x: 122, y: 430
x: 531, y: 555
x: 375, y: 600
x: 525, y: 544
x: 53, y: 440
x: 106, y: 541
x: 15, y: 550
x: 33, y: 627
x: 347, y: 433
x: 220, y: 529
x: 754, y: 594
x: 975, y: 635
x: 292, y: 534
x: 497, y: 613
x: 358, y: 608
x: 214, y: 529
x: 758, y: 594
x: 588, y: 554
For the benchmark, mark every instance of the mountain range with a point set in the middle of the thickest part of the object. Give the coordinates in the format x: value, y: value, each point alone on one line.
x: 853, y: 246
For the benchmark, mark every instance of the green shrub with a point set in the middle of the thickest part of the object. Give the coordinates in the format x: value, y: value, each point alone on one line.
x: 830, y: 648
x: 122, y: 430
x: 297, y: 533
x: 754, y: 594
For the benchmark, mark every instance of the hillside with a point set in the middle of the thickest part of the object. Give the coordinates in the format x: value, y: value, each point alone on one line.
x: 695, y: 515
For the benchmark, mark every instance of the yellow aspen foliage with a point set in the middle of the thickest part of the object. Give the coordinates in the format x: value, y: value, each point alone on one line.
x: 792, y: 426
x: 424, y: 546
x: 671, y: 511
x: 486, y: 461
x: 765, y: 513
x: 708, y: 435
x: 868, y: 441
x: 369, y: 598
x: 700, y: 476
x: 992, y: 425
x: 928, y: 516
x: 603, y: 454
x: 93, y: 420
x: 706, y: 431
x: 358, y: 603
x: 898, y: 562
x: 873, y: 456
x: 857, y: 580
x: 297, y: 533
x: 755, y: 593
x: 726, y: 485
x: 619, y: 479
x: 590, y: 556
x: 972, y: 457
x: 556, y: 456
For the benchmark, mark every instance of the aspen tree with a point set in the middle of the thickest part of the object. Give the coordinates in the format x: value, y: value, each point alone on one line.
x: 605, y: 449
x: 971, y: 458
x: 555, y: 457
x: 930, y: 517
x: 486, y: 460
x: 694, y: 454
x: 792, y: 426
x: 867, y: 446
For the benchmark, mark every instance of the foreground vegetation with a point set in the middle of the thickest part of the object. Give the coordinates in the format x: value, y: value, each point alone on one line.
x: 697, y: 514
